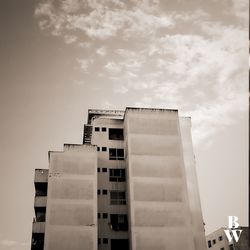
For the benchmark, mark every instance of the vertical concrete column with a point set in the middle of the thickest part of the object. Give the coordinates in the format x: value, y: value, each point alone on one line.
x: 159, y: 208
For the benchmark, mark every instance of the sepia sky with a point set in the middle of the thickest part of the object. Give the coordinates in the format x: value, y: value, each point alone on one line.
x: 60, y: 58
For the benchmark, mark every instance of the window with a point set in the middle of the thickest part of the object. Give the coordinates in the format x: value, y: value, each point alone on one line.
x: 117, y: 175
x: 209, y: 244
x: 119, y: 222
x: 104, y: 129
x: 37, y: 241
x: 99, y: 241
x: 105, y: 240
x: 222, y: 248
x: 98, y: 191
x: 40, y: 214
x: 220, y: 238
x: 98, y: 148
x: 231, y: 247
x: 121, y: 244
x: 98, y: 215
x: 116, y: 134
x: 104, y: 148
x: 104, y: 170
x: 116, y: 154
x: 41, y: 188
x: 104, y: 215
x: 214, y: 241
x: 98, y: 169
x: 104, y: 191
x: 117, y: 197
x: 97, y: 129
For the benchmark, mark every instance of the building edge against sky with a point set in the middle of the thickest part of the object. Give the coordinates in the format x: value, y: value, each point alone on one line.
x: 155, y: 194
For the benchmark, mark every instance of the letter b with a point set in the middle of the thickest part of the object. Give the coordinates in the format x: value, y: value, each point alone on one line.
x: 232, y: 222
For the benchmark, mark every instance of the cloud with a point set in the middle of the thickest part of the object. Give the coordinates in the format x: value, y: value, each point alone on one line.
x: 113, y: 67
x: 101, y: 51
x: 193, y: 59
x: 69, y: 39
x: 84, y: 45
x: 121, y: 89
x: 84, y: 64
x: 240, y: 8
x: 101, y: 20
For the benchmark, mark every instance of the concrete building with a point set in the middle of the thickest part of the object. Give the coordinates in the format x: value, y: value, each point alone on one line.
x: 131, y: 185
x: 218, y: 240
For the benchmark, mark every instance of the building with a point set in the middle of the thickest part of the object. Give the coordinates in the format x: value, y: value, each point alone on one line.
x: 131, y: 185
x: 218, y: 240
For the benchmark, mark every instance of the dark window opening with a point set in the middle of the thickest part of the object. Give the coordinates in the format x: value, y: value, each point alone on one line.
x: 104, y: 170
x: 117, y: 197
x: 98, y: 148
x: 121, y: 244
x: 231, y: 247
x: 117, y: 175
x: 37, y: 241
x: 104, y: 129
x: 116, y: 134
x: 97, y: 129
x: 104, y: 215
x: 214, y: 241
x: 104, y: 149
x: 99, y: 215
x: 98, y: 169
x: 220, y: 238
x: 222, y: 248
x: 41, y: 188
x: 119, y: 222
x: 98, y: 191
x: 40, y: 214
x: 116, y: 154
x: 105, y: 191
x: 209, y: 244
x: 99, y: 241
x: 105, y: 240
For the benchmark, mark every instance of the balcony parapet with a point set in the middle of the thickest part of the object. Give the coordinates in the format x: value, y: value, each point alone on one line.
x: 38, y: 227
x: 41, y: 175
x: 40, y: 201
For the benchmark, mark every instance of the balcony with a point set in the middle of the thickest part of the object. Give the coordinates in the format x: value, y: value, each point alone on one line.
x: 40, y: 201
x: 41, y: 175
x: 38, y: 227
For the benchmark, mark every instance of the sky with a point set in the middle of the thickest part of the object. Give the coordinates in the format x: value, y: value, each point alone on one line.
x: 61, y: 58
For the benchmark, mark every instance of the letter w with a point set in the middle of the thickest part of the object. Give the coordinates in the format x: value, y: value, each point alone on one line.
x: 232, y: 235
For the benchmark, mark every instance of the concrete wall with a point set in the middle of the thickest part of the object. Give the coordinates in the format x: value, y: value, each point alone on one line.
x: 71, y: 215
x: 159, y: 208
x: 192, y: 184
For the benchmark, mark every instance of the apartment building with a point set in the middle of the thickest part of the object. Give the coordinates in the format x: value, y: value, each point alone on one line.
x: 131, y: 185
x: 217, y: 240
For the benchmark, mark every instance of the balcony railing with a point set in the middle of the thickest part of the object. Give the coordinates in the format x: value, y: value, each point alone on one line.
x: 41, y: 175
x: 40, y: 201
x: 38, y: 227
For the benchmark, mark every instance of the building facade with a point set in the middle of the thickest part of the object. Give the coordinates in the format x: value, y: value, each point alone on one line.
x: 131, y: 185
x: 218, y: 240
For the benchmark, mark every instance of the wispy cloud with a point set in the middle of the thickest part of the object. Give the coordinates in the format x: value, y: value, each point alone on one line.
x: 104, y: 19
x: 113, y: 67
x: 85, y: 64
x: 157, y: 54
x: 101, y: 51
